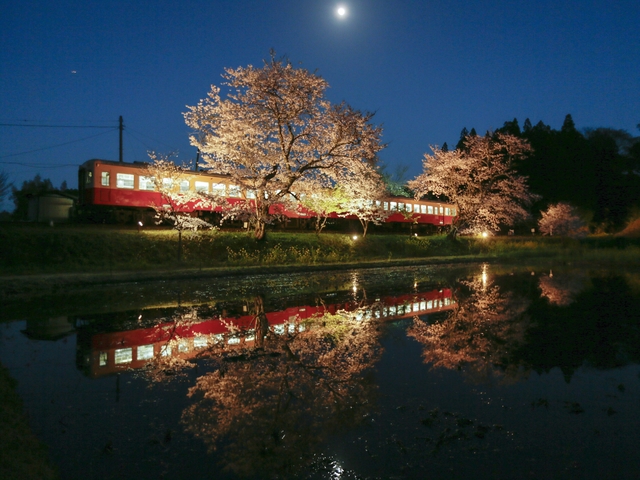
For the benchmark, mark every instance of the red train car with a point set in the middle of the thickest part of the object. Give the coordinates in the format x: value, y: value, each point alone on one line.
x: 120, y: 192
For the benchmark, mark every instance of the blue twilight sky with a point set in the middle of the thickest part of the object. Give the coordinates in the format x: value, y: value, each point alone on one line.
x: 427, y: 68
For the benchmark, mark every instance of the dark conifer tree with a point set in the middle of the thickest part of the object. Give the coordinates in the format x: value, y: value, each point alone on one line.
x: 445, y: 147
x: 463, y: 135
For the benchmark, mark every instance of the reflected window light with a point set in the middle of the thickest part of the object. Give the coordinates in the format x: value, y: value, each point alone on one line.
x: 199, y: 341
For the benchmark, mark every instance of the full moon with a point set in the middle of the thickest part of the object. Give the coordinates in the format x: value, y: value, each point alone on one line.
x: 342, y: 11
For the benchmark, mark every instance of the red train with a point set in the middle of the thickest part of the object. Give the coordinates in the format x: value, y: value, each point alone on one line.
x: 121, y: 193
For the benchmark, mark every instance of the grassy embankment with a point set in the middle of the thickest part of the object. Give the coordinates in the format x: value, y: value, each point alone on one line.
x: 32, y: 249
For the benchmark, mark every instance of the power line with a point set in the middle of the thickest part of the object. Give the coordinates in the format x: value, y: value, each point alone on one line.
x: 54, y: 146
x: 53, y: 126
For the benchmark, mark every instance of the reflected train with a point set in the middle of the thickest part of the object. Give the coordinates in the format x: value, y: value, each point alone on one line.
x: 117, y: 192
x: 106, y: 353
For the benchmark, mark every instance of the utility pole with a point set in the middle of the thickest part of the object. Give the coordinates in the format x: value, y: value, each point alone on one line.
x: 197, y: 160
x: 121, y: 128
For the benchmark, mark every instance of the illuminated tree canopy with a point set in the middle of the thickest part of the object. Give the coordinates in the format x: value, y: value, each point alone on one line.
x: 275, y: 128
x: 480, y: 179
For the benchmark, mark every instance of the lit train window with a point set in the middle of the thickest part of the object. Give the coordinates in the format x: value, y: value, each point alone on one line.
x: 146, y: 183
x: 233, y: 340
x: 234, y: 191
x: 103, y: 359
x: 430, y: 209
x: 167, y: 182
x: 250, y: 336
x: 203, y: 187
x: 393, y: 206
x: 423, y: 305
x: 278, y: 329
x: 123, y: 355
x: 453, y: 212
x: 386, y: 205
x: 183, y: 346
x: 166, y: 350
x: 104, y: 179
x: 218, y: 188
x: 88, y: 178
x: 430, y: 304
x: 401, y: 206
x: 446, y: 211
x: 423, y: 208
x: 378, y: 203
x: 441, y: 210
x: 124, y: 180
x: 409, y: 207
x: 144, y: 352
x: 251, y: 194
x: 184, y: 186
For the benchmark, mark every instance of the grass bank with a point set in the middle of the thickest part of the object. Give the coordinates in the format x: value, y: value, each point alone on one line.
x: 34, y: 249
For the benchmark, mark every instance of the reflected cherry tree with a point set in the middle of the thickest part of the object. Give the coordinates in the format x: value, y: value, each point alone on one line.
x: 562, y: 290
x: 270, y: 398
x: 479, y: 334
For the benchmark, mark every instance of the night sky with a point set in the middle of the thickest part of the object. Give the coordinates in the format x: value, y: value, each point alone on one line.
x: 427, y: 68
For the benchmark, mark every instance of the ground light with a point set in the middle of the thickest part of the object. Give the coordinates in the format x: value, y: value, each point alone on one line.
x: 355, y: 237
x: 140, y: 225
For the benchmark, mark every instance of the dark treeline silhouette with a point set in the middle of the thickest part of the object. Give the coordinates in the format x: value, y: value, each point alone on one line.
x: 597, y: 170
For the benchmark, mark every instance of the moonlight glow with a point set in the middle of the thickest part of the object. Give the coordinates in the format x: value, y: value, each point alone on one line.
x: 341, y: 11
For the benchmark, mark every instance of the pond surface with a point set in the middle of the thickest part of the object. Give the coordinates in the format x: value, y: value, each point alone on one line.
x: 451, y: 372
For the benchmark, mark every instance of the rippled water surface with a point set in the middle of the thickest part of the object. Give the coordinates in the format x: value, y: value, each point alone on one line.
x: 451, y: 372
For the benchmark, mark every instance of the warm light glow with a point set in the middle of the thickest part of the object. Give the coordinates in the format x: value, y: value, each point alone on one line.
x: 485, y: 234
x: 140, y: 223
x: 355, y: 237
x: 341, y: 11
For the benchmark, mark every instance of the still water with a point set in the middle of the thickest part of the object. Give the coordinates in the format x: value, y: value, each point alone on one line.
x: 479, y: 371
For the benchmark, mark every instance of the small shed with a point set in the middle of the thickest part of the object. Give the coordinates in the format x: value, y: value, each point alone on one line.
x: 50, y: 207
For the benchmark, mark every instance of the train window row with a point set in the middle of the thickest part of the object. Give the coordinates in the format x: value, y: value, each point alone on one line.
x: 128, y: 181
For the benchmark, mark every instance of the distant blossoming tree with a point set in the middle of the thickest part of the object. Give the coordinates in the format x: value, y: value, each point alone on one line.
x: 479, y: 178
x: 178, y: 203
x: 364, y: 190
x: 562, y: 219
x: 275, y: 128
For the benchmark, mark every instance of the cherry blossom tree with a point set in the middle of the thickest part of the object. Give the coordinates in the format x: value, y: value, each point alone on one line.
x: 364, y: 190
x: 562, y: 219
x: 274, y: 128
x: 480, y: 180
x: 178, y: 204
x: 321, y: 201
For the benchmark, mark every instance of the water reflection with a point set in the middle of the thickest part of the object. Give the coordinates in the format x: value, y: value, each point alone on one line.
x: 516, y: 327
x: 371, y: 376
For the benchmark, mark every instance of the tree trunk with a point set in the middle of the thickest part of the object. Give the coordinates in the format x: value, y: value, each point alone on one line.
x: 260, y: 230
